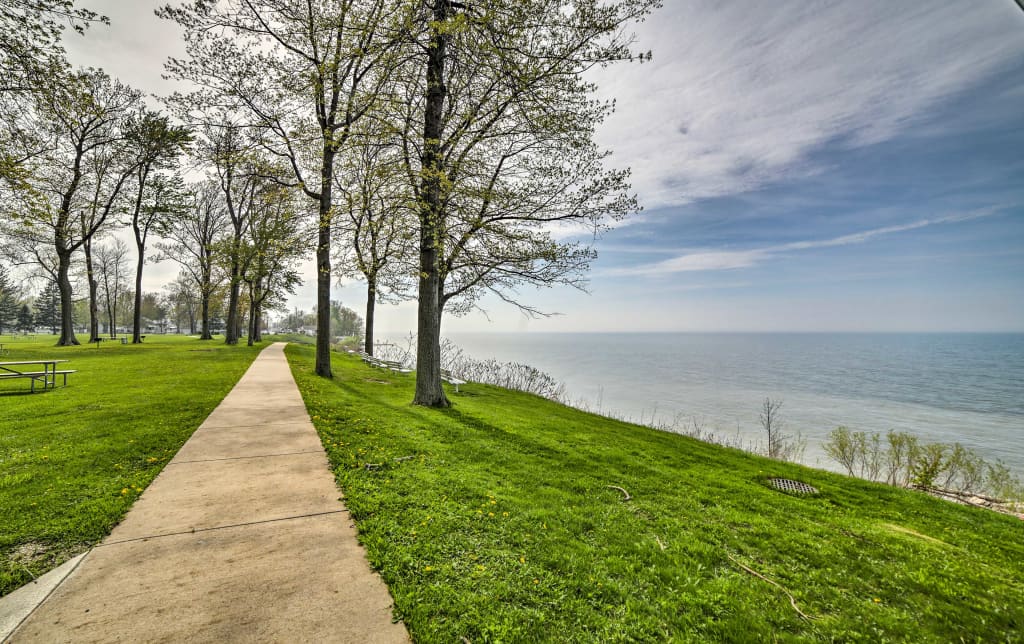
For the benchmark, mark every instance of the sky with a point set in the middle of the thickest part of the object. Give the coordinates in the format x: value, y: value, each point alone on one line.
x: 803, y: 166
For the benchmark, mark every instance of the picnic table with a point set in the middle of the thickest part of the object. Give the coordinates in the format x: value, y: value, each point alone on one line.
x: 47, y: 377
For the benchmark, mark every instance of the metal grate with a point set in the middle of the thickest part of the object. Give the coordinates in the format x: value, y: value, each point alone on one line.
x: 796, y: 487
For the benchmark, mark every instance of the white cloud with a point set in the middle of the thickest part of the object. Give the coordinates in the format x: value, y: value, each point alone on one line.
x: 719, y: 260
x: 709, y: 260
x: 740, y: 93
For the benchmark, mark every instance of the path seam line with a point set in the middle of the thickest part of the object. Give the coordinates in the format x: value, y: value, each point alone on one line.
x: 272, y: 423
x: 220, y: 527
x: 242, y: 458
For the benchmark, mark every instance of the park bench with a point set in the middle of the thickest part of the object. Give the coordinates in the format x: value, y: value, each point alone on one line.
x: 47, y: 377
x: 452, y: 380
x: 393, y: 365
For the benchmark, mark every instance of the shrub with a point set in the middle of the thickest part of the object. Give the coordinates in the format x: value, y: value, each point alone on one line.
x: 929, y: 465
x: 840, y: 447
x: 510, y: 375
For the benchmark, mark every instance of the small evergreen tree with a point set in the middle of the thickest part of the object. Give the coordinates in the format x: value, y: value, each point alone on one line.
x: 48, y: 307
x: 26, y: 322
x: 8, y: 303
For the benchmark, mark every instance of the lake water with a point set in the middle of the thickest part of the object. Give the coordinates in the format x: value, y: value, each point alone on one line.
x: 966, y: 388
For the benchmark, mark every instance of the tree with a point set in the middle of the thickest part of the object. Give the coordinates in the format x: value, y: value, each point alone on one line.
x: 8, y: 302
x: 157, y: 144
x: 26, y: 322
x: 344, y: 321
x: 274, y: 246
x: 32, y: 65
x: 153, y: 311
x: 107, y: 169
x: 501, y: 100
x: 788, y: 448
x: 304, y: 74
x: 230, y: 150
x: 30, y: 33
x: 48, y: 307
x: 83, y: 119
x: 377, y: 216
x: 772, y: 425
x: 183, y: 302
x: 297, y: 321
x: 192, y: 237
x: 112, y: 267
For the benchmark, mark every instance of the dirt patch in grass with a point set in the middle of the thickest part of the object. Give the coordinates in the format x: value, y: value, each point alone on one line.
x: 29, y: 552
x: 37, y: 556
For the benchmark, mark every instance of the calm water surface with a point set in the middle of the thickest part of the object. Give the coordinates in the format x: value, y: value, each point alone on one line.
x: 942, y: 387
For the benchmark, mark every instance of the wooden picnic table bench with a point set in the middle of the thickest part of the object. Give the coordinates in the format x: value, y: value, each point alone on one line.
x: 47, y: 377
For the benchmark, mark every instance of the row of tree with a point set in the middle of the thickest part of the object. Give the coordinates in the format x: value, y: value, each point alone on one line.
x: 84, y: 158
x: 437, y: 149
x: 21, y: 312
x: 175, y: 310
x: 20, y: 315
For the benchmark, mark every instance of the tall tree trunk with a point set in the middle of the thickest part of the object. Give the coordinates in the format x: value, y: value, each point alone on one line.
x: 205, y: 321
x: 231, y: 332
x: 323, y: 265
x: 371, y: 303
x: 428, y: 341
x: 252, y: 318
x: 137, y: 313
x: 67, y: 325
x: 111, y: 301
x: 94, y: 287
x: 258, y: 326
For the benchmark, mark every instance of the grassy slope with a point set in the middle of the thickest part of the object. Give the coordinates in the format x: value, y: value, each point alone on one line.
x: 72, y: 460
x: 502, y: 527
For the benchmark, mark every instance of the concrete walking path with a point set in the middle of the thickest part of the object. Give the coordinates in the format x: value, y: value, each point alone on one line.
x: 242, y: 537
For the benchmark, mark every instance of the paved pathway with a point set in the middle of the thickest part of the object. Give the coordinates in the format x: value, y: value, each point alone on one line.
x: 242, y: 537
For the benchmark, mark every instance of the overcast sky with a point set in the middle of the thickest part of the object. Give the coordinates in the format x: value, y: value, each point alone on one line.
x: 804, y: 166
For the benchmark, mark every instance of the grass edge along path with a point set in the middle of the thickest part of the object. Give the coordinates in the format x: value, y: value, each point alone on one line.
x: 75, y: 458
x: 501, y: 519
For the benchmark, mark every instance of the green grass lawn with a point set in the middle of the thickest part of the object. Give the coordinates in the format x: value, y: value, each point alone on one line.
x: 72, y: 460
x: 494, y: 521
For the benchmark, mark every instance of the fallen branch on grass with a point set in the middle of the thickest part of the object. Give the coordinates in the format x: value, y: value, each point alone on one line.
x: 792, y: 600
x: 616, y: 487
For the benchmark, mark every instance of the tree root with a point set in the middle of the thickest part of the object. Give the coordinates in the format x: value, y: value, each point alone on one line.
x: 792, y: 600
x: 616, y: 487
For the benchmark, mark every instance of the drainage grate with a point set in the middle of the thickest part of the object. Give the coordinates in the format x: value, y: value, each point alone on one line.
x: 796, y: 487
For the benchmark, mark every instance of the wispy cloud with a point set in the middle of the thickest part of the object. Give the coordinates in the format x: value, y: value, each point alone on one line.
x: 723, y: 260
x: 741, y: 93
